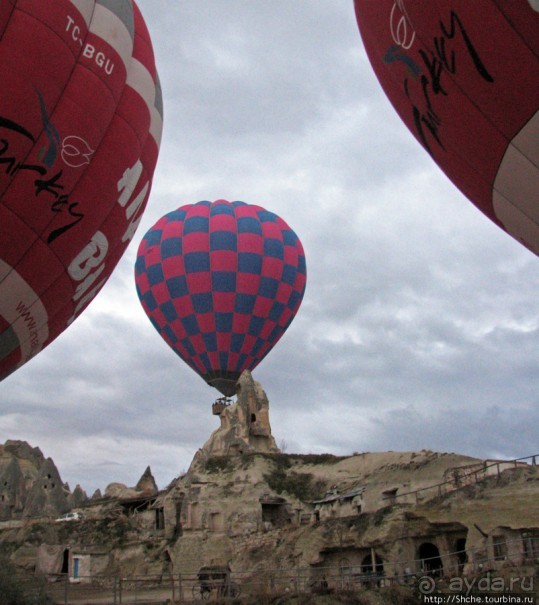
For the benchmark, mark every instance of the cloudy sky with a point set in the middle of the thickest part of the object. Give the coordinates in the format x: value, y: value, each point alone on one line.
x: 419, y: 327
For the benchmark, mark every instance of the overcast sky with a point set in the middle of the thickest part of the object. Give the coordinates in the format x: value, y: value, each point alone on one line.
x: 419, y: 327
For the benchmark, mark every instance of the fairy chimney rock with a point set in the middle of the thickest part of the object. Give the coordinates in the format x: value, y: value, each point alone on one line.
x: 77, y: 497
x: 146, y: 483
x: 245, y: 425
x: 48, y: 495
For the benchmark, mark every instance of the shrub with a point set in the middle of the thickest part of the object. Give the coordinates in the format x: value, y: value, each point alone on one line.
x: 217, y: 464
x: 17, y: 589
x: 318, y: 458
x: 301, y: 485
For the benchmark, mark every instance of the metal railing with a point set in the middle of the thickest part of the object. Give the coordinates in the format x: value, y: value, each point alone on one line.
x: 188, y: 588
x: 464, y: 479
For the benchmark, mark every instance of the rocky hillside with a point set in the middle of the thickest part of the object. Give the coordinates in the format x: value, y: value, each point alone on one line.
x: 267, y: 514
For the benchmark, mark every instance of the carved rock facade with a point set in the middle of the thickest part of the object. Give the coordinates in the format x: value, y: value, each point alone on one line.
x: 245, y: 426
x: 30, y: 484
x: 245, y: 504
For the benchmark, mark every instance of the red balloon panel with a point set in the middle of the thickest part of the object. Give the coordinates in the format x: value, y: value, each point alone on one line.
x: 80, y: 128
x: 464, y: 77
x: 221, y: 283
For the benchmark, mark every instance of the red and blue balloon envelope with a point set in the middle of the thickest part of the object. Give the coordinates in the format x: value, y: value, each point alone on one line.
x: 464, y: 77
x: 221, y: 282
x: 80, y: 127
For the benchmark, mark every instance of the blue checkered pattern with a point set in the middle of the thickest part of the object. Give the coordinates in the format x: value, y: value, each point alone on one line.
x: 221, y: 283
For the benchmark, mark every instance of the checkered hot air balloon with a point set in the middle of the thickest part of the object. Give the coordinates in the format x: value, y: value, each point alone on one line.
x: 221, y: 282
x: 80, y: 128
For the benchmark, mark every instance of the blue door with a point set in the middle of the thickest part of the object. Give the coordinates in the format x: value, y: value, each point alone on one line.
x: 75, y: 568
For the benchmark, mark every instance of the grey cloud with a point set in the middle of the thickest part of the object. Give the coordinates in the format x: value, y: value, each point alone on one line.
x: 419, y: 324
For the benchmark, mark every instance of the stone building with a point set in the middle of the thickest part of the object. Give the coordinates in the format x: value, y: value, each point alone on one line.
x: 334, y: 504
x: 403, y: 546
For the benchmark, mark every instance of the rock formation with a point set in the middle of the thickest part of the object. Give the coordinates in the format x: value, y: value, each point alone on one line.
x: 77, y: 498
x: 244, y: 504
x: 120, y: 491
x: 245, y: 426
x: 30, y: 484
x: 146, y: 484
x: 12, y: 489
x: 48, y: 496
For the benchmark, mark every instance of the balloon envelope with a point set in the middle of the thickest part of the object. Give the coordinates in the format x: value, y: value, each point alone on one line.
x: 464, y: 77
x: 80, y: 126
x: 221, y: 283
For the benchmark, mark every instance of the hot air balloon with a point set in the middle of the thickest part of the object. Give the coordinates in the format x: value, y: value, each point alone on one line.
x: 464, y: 77
x: 221, y: 283
x: 80, y: 127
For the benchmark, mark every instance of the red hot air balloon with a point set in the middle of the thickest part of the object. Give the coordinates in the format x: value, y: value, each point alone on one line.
x: 464, y: 77
x: 221, y: 283
x: 80, y: 127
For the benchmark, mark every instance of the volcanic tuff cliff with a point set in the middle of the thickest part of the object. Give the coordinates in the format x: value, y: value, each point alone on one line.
x: 30, y: 484
x: 244, y: 502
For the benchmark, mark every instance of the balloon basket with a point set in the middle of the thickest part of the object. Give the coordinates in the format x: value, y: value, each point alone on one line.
x: 220, y: 405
